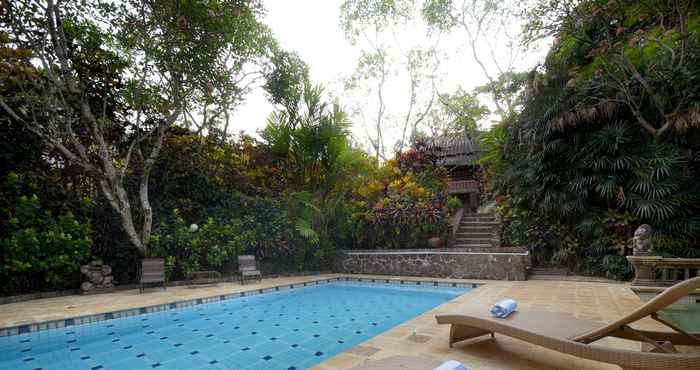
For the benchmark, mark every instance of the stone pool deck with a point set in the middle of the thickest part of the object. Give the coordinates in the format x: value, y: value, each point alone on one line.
x: 420, y: 336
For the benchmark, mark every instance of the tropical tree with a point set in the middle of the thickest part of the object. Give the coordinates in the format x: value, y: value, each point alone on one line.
x: 384, y: 63
x: 311, y: 139
x: 490, y: 30
x: 608, y: 134
x: 102, y: 82
x: 457, y: 114
x: 310, y: 136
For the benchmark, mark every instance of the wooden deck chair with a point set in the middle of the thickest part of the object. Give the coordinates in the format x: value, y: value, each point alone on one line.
x: 248, y: 268
x: 152, y: 272
x: 566, y: 334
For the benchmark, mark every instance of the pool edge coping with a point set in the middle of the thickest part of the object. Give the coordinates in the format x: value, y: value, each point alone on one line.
x: 33, y: 327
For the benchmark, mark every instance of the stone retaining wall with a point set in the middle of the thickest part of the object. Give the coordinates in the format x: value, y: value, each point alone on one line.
x: 456, y: 263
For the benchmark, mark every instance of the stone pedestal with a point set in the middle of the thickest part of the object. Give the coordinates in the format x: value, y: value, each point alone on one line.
x: 644, y: 269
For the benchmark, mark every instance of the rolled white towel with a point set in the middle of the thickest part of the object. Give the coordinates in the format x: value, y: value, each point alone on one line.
x: 451, y: 365
x: 504, y: 308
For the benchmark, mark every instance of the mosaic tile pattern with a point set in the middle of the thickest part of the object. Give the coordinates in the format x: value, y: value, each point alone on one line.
x: 276, y: 328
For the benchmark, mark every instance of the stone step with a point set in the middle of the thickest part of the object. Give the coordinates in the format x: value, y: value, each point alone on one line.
x: 472, y: 241
x: 469, y: 235
x: 478, y: 217
x: 474, y: 229
x: 458, y: 245
x: 485, y: 222
x: 478, y: 223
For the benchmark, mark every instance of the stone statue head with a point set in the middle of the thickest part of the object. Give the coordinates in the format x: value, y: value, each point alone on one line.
x: 642, y: 240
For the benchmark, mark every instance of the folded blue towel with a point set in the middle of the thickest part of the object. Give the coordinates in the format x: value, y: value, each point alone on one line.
x: 504, y: 308
x: 451, y: 365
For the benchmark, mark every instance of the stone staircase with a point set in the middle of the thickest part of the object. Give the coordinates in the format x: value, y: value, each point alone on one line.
x: 475, y: 231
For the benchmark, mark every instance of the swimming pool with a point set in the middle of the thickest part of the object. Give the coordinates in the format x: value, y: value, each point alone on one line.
x: 684, y: 314
x: 290, y: 329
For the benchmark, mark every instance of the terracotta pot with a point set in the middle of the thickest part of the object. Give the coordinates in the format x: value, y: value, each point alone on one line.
x: 435, y: 242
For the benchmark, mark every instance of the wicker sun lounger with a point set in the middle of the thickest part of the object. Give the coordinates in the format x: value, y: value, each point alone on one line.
x: 573, y: 336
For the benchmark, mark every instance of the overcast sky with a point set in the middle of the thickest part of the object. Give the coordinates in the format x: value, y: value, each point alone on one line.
x: 311, y: 28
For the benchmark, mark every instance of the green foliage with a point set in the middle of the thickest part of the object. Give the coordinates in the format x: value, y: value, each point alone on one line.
x: 40, y: 249
x: 203, y: 176
x: 310, y: 140
x: 212, y: 246
x: 263, y: 227
x: 358, y: 14
x: 310, y: 136
x: 437, y: 13
x: 453, y: 204
x: 458, y: 114
x: 286, y: 81
x: 607, y: 139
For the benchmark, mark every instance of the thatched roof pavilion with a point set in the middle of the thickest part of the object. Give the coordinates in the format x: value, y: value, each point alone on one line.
x: 454, y: 151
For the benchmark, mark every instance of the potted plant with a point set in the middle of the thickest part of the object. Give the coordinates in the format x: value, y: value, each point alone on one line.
x: 435, y: 241
x: 435, y: 235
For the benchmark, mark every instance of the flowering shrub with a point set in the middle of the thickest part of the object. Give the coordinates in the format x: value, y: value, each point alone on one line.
x: 403, y: 206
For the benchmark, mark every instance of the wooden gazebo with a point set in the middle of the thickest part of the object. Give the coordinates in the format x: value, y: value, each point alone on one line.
x: 459, y: 154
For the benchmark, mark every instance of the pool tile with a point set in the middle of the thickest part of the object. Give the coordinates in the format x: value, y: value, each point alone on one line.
x: 286, y: 335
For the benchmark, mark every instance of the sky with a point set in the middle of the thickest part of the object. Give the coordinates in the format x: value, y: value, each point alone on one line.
x: 312, y: 29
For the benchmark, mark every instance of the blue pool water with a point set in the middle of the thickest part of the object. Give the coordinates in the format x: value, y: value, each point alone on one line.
x: 292, y: 329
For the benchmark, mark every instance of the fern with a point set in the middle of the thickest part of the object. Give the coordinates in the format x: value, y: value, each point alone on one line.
x: 303, y: 227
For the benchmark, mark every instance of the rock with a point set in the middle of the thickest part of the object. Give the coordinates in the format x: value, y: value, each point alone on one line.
x: 96, y: 263
x: 96, y: 276
x: 106, y: 270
